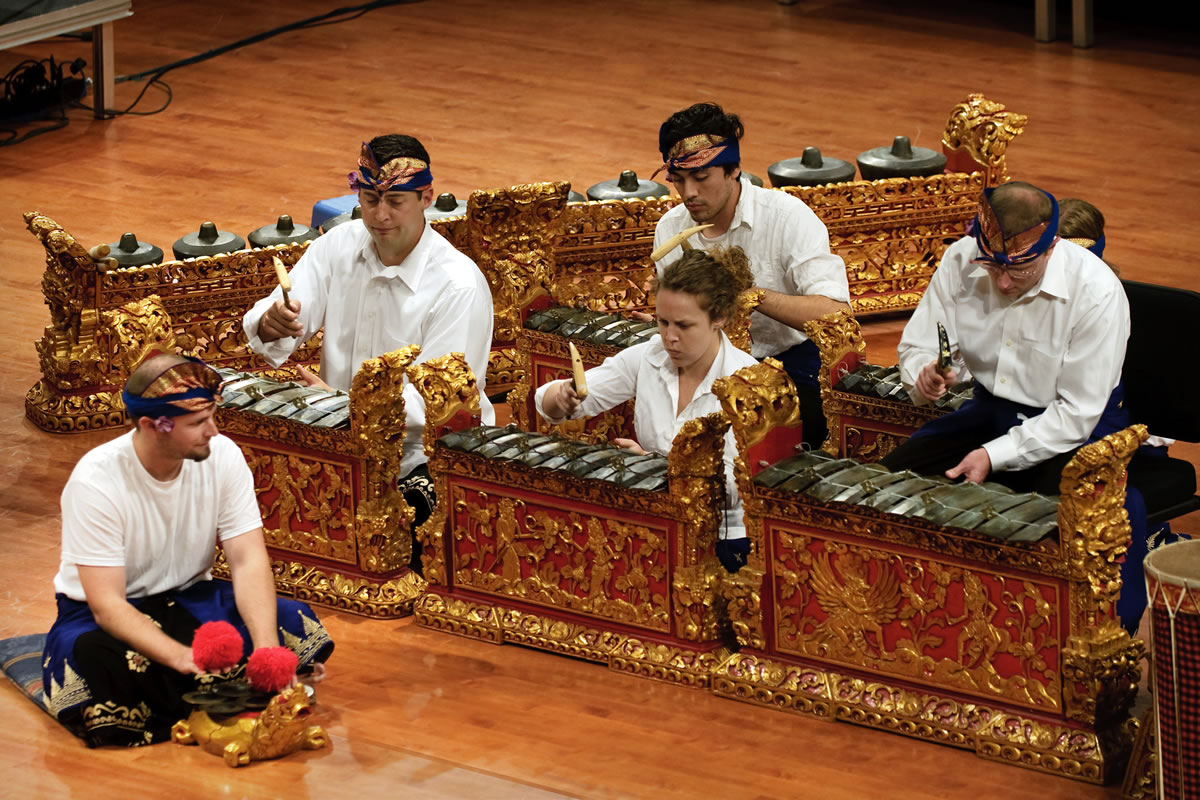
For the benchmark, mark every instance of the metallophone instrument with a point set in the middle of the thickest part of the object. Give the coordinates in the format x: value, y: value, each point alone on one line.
x: 547, y: 339
x: 987, y: 508
x: 959, y: 613
x: 530, y: 244
x: 884, y: 382
x: 325, y: 466
x: 580, y: 548
x: 322, y: 408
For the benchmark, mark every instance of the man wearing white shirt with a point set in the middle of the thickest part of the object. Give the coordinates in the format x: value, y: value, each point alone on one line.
x: 379, y: 283
x: 1041, y: 325
x: 787, y: 244
x: 141, y: 516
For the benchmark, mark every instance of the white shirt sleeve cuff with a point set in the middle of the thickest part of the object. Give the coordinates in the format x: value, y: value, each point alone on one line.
x: 839, y: 293
x: 1002, y: 452
x: 540, y: 397
x: 276, y: 352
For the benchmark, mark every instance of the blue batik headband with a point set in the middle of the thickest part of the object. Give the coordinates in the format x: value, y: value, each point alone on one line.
x: 697, y: 152
x: 1007, y: 251
x: 402, y: 174
x: 183, y: 388
x: 1096, y: 246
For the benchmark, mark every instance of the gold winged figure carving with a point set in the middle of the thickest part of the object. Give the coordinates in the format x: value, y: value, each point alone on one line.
x: 856, y: 605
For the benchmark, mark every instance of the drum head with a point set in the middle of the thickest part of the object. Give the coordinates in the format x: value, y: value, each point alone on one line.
x: 1177, y: 563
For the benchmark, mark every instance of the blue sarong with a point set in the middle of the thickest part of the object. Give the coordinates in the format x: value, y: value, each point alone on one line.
x: 109, y: 693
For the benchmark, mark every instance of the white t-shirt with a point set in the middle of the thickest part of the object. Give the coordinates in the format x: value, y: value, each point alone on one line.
x: 436, y: 298
x: 115, y: 514
x: 788, y: 248
x: 645, y: 372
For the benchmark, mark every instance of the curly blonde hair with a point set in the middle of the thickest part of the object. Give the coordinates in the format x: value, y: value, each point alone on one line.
x: 714, y: 277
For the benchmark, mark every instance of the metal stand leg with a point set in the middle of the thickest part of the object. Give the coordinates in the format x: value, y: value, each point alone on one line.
x: 1083, y: 32
x: 1045, y: 20
x: 102, y: 65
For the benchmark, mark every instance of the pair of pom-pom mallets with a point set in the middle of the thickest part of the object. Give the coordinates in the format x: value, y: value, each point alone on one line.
x: 217, y: 646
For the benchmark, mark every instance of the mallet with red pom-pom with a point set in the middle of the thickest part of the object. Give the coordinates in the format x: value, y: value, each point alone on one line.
x: 217, y: 646
x: 271, y: 669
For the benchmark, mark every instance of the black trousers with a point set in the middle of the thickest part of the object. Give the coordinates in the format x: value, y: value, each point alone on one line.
x: 815, y: 427
x: 934, y: 454
x: 417, y: 488
x: 803, y: 365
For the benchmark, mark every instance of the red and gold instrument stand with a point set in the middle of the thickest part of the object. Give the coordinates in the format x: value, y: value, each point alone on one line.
x: 579, y: 566
x: 1008, y: 649
x: 336, y: 525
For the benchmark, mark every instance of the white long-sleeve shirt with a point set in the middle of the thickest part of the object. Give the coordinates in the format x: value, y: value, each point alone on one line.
x: 788, y: 247
x: 645, y: 372
x: 436, y: 298
x: 1059, y: 346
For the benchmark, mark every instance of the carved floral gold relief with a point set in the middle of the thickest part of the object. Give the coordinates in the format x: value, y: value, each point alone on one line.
x: 603, y: 254
x: 306, y: 504
x: 504, y: 370
x: 601, y: 566
x: 919, y: 619
x: 377, y: 422
x: 891, y: 233
x: 511, y: 233
x: 622, y: 652
x: 1093, y: 525
x: 983, y: 128
x: 1141, y: 778
x: 363, y: 595
x: 868, y: 446
x: 990, y: 731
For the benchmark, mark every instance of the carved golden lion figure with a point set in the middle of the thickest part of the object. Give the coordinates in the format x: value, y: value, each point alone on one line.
x: 280, y: 729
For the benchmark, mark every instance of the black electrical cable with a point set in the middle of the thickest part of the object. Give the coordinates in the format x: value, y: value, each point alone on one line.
x: 338, y: 15
x: 154, y: 76
x: 10, y: 134
x: 128, y: 110
x: 311, y: 22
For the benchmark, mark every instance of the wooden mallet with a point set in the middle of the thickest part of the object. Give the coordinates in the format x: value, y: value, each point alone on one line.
x: 100, y: 254
x: 580, y: 378
x: 679, y: 239
x: 285, y: 282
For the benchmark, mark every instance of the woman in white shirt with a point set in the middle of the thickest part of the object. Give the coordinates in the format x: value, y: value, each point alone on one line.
x: 671, y: 376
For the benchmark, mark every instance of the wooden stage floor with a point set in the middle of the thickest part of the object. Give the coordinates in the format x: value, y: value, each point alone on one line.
x: 505, y: 93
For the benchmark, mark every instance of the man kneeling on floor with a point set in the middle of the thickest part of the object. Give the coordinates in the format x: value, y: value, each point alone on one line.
x: 140, y: 518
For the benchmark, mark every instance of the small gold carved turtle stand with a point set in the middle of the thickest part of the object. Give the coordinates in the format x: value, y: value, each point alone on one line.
x: 280, y: 729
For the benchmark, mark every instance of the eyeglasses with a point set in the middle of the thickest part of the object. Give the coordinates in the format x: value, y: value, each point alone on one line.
x: 1017, y: 273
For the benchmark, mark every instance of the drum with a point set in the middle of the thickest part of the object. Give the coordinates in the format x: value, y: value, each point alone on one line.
x: 1173, y: 588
